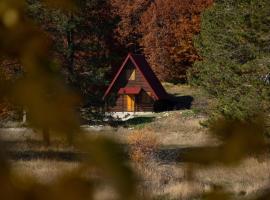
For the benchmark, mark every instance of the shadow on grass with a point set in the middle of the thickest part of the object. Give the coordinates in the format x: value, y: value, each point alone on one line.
x: 181, y: 102
x: 32, y: 144
x: 136, y: 121
x: 178, y: 154
x: 46, y: 155
x: 163, y: 155
x: 32, y: 150
x: 174, y: 102
x: 17, y: 144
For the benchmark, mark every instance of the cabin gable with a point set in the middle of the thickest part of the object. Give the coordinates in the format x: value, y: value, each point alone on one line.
x: 130, y: 90
x: 125, y: 81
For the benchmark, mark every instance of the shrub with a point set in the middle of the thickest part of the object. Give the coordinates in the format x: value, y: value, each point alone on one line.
x: 143, y: 145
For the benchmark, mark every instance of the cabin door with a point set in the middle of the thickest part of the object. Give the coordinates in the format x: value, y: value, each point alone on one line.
x: 130, y: 103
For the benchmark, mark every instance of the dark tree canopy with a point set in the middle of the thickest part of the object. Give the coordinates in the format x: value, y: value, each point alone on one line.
x: 83, y: 43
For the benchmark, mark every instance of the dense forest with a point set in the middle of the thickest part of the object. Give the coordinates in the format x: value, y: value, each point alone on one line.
x: 58, y: 56
x: 234, y: 44
x: 89, y: 42
x: 181, y: 41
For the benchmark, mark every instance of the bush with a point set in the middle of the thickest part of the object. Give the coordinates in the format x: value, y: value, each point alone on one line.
x: 143, y: 145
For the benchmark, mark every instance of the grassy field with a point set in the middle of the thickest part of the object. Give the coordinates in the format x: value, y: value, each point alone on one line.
x: 161, y: 176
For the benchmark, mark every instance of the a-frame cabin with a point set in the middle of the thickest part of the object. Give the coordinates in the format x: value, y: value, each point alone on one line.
x: 135, y: 87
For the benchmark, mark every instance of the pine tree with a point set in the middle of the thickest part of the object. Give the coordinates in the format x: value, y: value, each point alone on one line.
x: 234, y: 46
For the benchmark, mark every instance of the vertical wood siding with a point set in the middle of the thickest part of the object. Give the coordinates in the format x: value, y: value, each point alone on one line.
x: 120, y: 104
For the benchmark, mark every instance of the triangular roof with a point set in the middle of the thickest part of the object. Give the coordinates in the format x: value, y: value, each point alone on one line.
x: 142, y: 65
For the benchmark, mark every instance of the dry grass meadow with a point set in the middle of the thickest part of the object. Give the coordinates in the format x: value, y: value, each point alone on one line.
x: 161, y: 177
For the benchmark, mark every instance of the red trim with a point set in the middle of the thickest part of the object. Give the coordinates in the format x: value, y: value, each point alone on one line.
x: 120, y: 70
x: 130, y: 90
x: 116, y: 76
x: 134, y: 62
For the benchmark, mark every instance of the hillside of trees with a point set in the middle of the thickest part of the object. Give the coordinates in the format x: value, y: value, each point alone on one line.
x: 180, y: 40
x: 89, y: 42
x: 163, y: 31
x: 234, y: 70
x: 57, y: 56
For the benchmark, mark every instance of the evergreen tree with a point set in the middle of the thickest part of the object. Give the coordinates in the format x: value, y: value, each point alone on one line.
x: 234, y: 46
x: 83, y: 43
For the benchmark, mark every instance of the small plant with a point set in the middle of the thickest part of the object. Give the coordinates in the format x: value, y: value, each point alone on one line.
x: 143, y: 145
x: 188, y: 113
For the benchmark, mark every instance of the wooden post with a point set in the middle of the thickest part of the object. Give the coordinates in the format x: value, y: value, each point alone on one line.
x: 123, y: 102
x: 24, y: 120
x: 135, y: 104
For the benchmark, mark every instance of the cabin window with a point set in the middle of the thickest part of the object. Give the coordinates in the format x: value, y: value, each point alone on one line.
x: 131, y: 74
x: 146, y: 97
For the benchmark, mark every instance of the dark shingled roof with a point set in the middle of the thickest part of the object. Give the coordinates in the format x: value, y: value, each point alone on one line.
x: 142, y: 65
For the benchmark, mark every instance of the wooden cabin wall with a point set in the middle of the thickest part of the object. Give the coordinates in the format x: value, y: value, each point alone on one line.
x: 121, y: 105
x: 118, y: 106
x: 144, y: 106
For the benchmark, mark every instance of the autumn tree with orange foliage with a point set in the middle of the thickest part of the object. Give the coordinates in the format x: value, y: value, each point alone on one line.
x: 163, y: 31
x: 130, y: 13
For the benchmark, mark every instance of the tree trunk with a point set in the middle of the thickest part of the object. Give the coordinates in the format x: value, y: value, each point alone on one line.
x: 72, y: 78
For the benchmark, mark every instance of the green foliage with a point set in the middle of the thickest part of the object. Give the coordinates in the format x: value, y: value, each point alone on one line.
x: 139, y: 122
x: 52, y: 106
x: 82, y: 43
x: 189, y: 113
x: 234, y: 46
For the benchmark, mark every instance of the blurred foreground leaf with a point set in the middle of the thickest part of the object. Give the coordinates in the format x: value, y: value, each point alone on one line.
x: 51, y: 105
x: 218, y: 194
x: 109, y: 157
x: 238, y: 140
